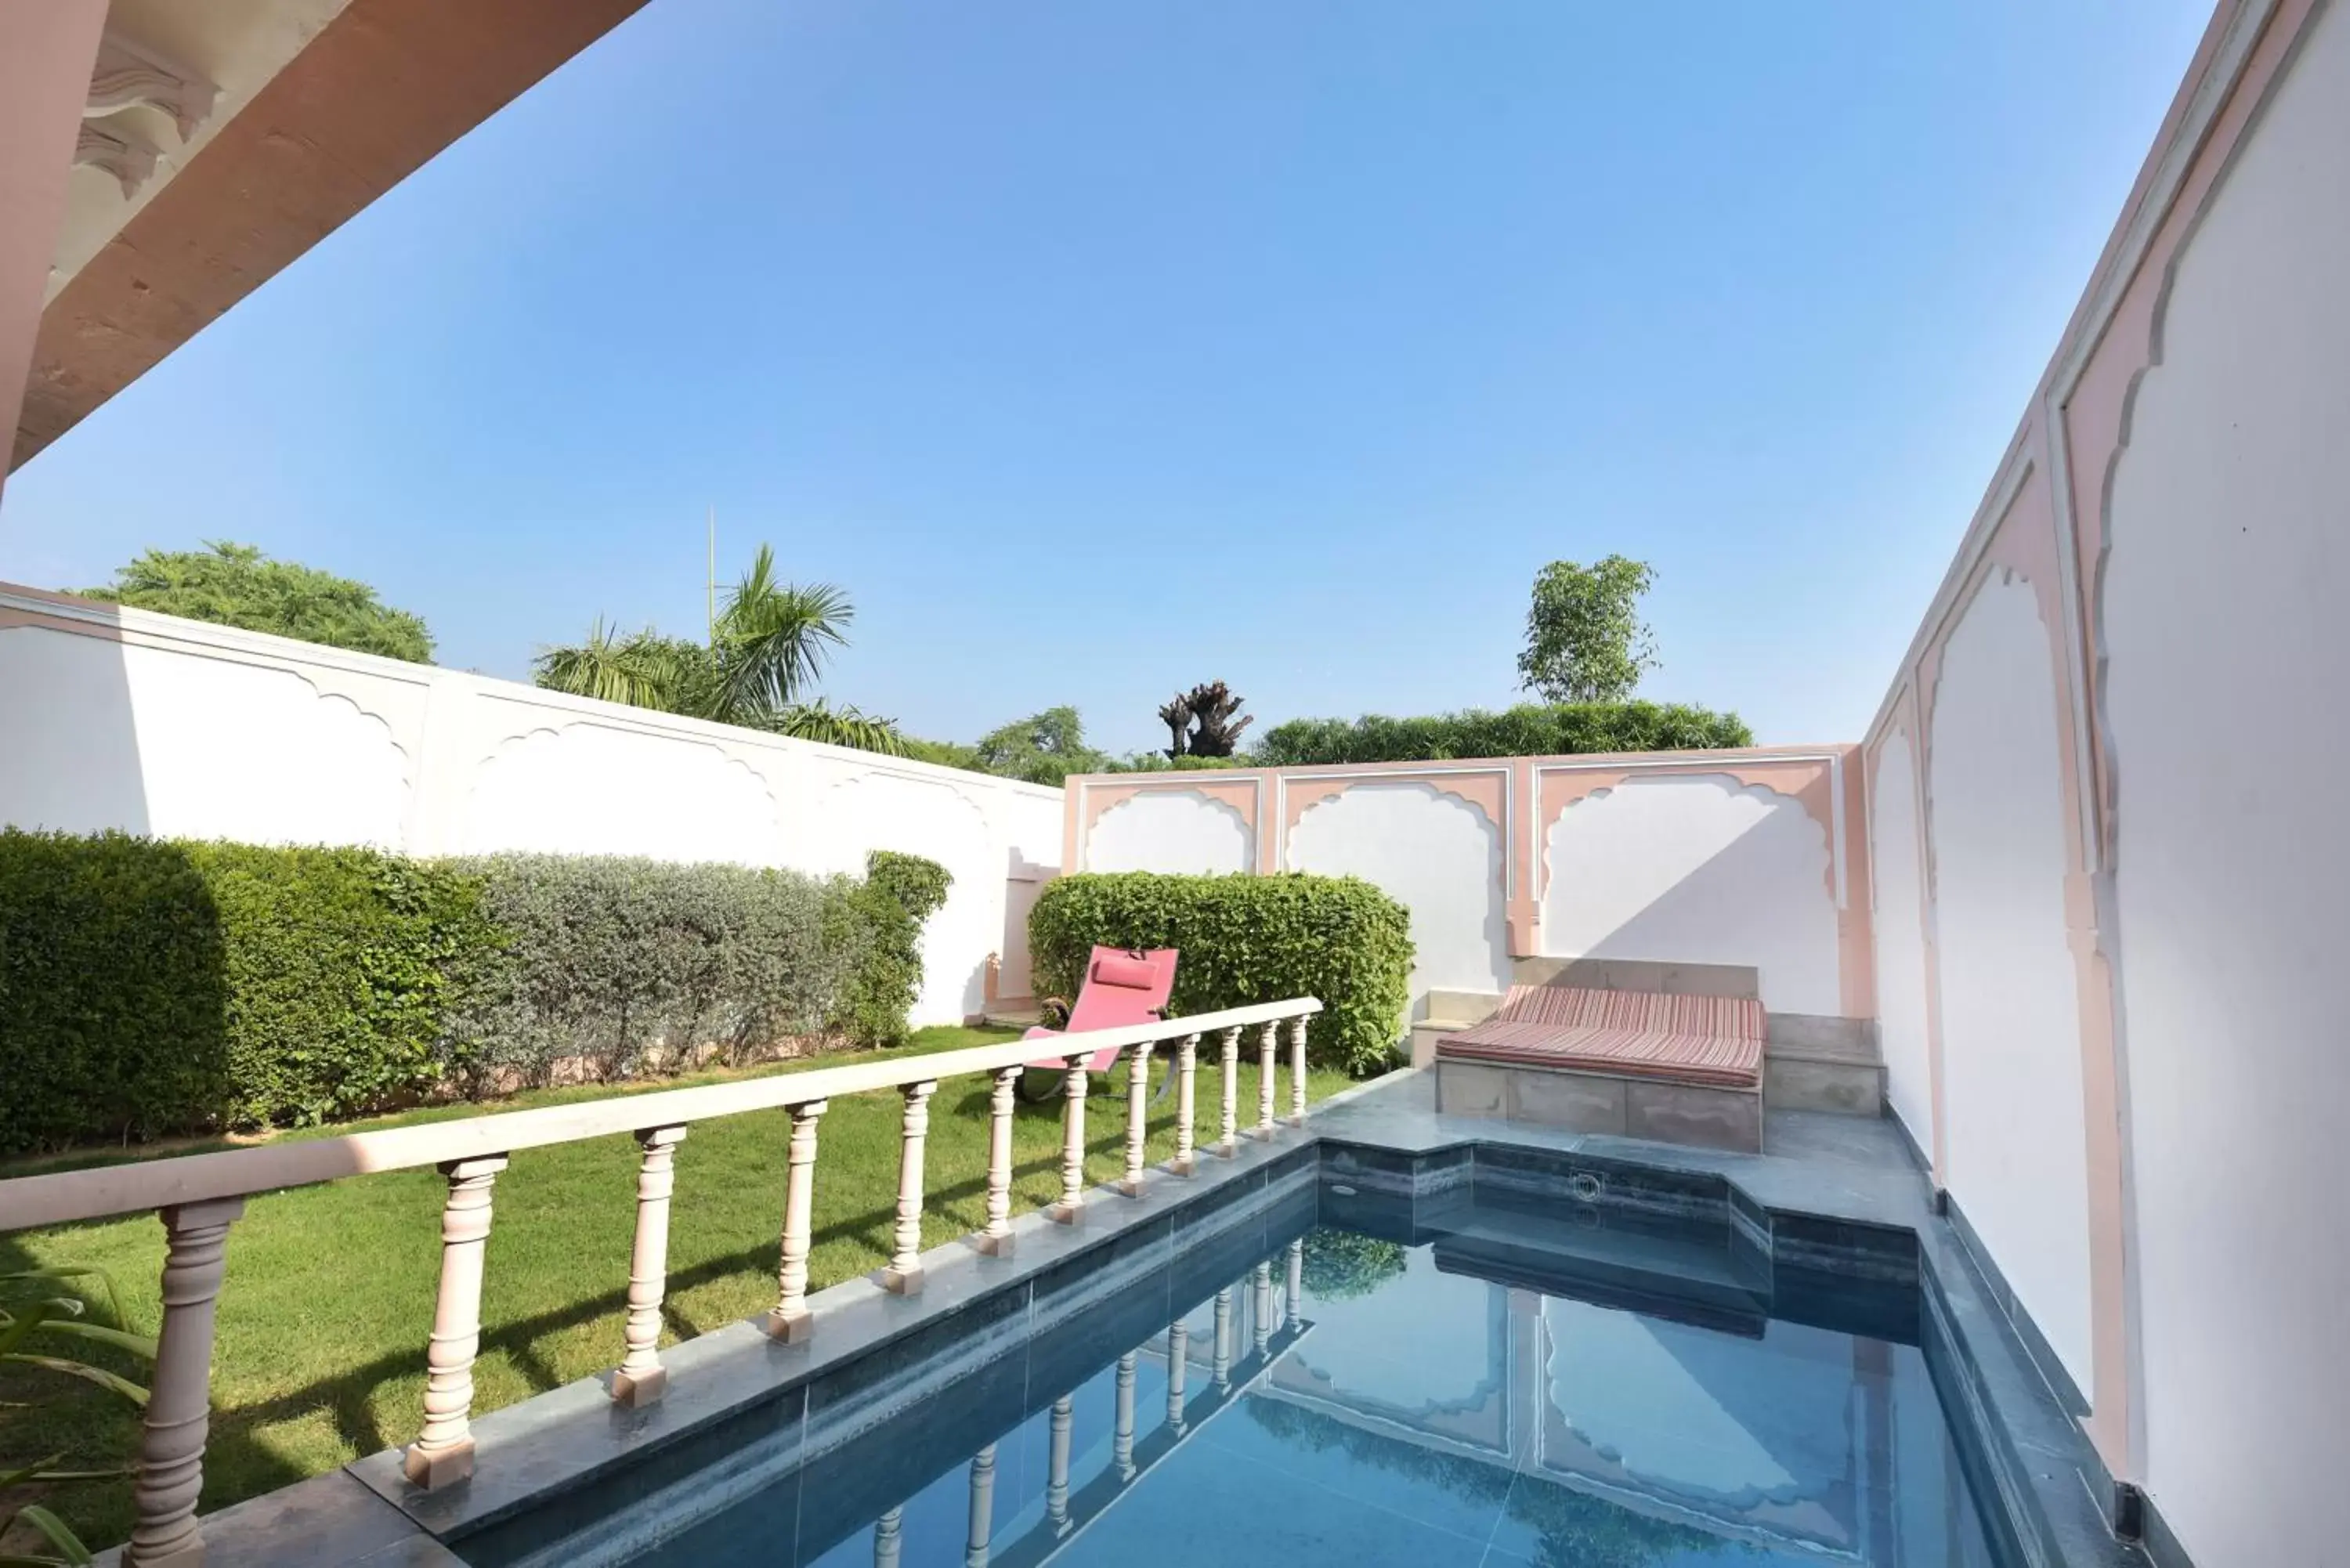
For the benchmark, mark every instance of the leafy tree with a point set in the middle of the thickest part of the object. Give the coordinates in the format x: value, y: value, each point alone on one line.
x: 235, y: 585
x: 766, y: 650
x: 1585, y: 639
x: 1044, y: 748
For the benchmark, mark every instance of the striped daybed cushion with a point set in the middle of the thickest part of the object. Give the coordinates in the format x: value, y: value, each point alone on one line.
x: 1712, y: 1040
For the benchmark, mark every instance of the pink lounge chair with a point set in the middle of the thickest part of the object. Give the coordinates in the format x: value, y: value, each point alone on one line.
x: 1120, y: 987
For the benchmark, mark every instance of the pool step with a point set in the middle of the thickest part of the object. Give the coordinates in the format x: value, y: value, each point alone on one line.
x: 1689, y: 1276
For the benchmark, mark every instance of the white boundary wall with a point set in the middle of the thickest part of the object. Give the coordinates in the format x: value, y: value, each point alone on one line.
x: 2107, y: 819
x: 152, y: 724
x: 1753, y: 856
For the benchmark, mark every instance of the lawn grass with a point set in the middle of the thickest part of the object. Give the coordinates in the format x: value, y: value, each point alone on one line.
x: 319, y: 1355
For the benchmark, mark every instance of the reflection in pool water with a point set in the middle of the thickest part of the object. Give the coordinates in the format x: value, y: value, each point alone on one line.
x: 1353, y: 1402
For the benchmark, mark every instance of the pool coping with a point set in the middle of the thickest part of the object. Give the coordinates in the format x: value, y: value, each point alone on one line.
x: 2041, y: 1476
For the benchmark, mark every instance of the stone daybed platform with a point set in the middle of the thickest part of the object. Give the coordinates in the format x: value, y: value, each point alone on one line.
x: 1682, y: 1069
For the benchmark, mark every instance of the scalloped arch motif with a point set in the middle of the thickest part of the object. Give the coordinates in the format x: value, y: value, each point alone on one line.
x: 1482, y: 789
x: 590, y: 787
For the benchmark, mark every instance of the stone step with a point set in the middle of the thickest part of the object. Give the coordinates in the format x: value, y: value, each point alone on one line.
x: 1800, y: 1081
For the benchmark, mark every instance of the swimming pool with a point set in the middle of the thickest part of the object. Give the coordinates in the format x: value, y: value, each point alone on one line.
x: 1504, y: 1372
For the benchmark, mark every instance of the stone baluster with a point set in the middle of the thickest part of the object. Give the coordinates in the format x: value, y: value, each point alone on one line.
x: 1261, y: 1308
x: 1228, y: 1141
x: 444, y: 1453
x: 790, y: 1320
x: 997, y: 1239
x: 1187, y: 1070
x: 1223, y: 1365
x: 1057, y: 1474
x: 982, y: 1507
x: 1072, y: 1206
x: 889, y: 1538
x: 1121, y: 1442
x: 1137, y: 1109
x: 904, y: 1274
x: 1267, y: 1072
x: 170, y: 1473
x: 1178, y: 1356
x: 641, y: 1377
x: 1298, y: 1071
x: 1296, y: 1277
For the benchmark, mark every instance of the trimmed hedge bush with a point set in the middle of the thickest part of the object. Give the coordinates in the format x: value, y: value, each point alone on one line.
x: 1528, y: 730
x: 885, y: 913
x: 605, y: 958
x: 149, y: 987
x: 1245, y: 940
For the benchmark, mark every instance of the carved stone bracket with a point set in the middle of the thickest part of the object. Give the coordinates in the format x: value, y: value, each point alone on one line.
x: 128, y: 76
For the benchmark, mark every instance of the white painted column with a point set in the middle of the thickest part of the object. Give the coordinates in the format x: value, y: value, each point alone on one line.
x: 1057, y: 1474
x: 790, y: 1321
x: 48, y: 50
x: 997, y: 1239
x: 1296, y: 1277
x: 170, y: 1473
x: 1137, y: 1107
x: 1228, y: 1140
x: 1187, y: 1072
x: 1121, y: 1441
x: 1072, y: 1206
x: 1261, y: 1309
x: 1178, y: 1356
x: 1297, y: 1071
x: 1222, y: 1365
x: 1267, y: 1045
x: 641, y: 1379
x: 442, y: 1453
x: 889, y: 1538
x: 982, y: 1507
x: 904, y: 1274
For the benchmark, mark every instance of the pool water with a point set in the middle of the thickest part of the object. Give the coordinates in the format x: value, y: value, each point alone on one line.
x: 1331, y: 1398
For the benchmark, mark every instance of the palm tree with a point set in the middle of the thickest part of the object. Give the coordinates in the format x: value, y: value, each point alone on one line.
x: 767, y: 652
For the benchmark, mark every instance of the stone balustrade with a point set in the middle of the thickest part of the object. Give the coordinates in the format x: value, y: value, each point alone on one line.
x: 199, y: 1196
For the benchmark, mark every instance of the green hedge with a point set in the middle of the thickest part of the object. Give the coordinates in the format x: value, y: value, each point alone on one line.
x: 886, y: 914
x: 1245, y: 940
x: 606, y: 957
x: 151, y: 987
x: 1528, y: 730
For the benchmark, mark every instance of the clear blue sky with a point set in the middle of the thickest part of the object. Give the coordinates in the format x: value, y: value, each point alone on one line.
x: 1102, y: 348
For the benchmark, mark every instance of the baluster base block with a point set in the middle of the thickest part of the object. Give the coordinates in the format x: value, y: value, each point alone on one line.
x: 635, y: 1390
x: 902, y: 1281
x: 1134, y: 1186
x: 994, y: 1246
x: 1227, y: 1149
x: 789, y: 1328
x: 1259, y: 1132
x: 1066, y: 1213
x: 1189, y: 1165
x: 1293, y: 1121
x: 440, y: 1468
x: 189, y: 1554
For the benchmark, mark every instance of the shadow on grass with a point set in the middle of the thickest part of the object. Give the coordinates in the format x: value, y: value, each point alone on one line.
x: 242, y: 1460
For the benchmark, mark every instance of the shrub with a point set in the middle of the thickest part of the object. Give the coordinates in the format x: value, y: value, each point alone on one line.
x: 604, y: 958
x: 149, y: 987
x: 886, y: 914
x: 1528, y: 730
x: 113, y: 990
x: 1245, y: 940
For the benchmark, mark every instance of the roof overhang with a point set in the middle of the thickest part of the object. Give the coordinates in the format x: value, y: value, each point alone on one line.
x: 223, y: 140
